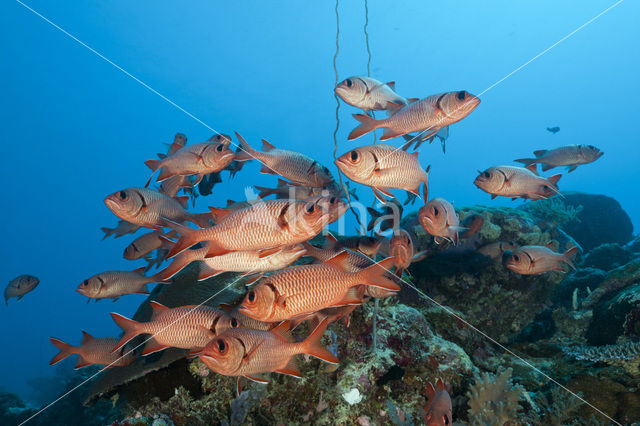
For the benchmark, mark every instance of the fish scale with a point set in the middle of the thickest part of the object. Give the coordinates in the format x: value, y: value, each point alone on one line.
x: 185, y: 327
x: 98, y: 351
x: 118, y: 283
x: 275, y: 351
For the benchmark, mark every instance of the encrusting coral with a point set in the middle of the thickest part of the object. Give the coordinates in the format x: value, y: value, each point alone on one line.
x: 494, y: 399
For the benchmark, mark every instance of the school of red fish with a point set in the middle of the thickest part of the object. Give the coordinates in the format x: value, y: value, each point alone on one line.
x: 260, y: 239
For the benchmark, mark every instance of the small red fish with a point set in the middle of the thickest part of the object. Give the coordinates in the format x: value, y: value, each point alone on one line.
x: 517, y: 182
x: 401, y: 248
x: 532, y: 260
x: 439, y: 410
x: 113, y: 284
x: 439, y: 218
x: 93, y: 350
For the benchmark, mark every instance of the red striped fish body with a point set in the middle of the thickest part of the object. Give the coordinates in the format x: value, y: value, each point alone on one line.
x: 439, y: 218
x: 517, y: 182
x: 249, y: 353
x: 533, y: 260
x: 384, y: 167
x: 186, y: 327
x: 92, y: 351
x: 427, y: 115
x: 292, y: 165
x: 266, y: 224
x: 368, y: 93
x: 113, y: 284
x: 302, y: 290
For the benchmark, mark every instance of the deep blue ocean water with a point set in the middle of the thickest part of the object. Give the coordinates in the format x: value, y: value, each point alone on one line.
x: 75, y: 128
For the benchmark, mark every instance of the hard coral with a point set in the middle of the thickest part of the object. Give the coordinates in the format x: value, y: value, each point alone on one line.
x: 494, y: 399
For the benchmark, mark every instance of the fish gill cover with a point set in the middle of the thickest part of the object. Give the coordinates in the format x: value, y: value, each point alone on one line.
x: 402, y: 286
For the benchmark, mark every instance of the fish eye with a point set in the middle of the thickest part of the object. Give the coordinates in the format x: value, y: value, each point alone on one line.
x: 461, y: 95
x: 251, y: 297
x: 445, y: 419
x: 333, y: 200
x: 122, y: 195
x: 354, y: 156
x: 85, y: 283
x: 310, y: 208
x: 325, y: 170
x: 221, y: 346
x: 516, y: 258
x: 219, y: 148
x: 436, y: 212
x: 234, y: 323
x: 349, y: 82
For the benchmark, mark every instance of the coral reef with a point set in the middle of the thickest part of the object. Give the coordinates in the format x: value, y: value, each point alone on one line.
x: 494, y: 399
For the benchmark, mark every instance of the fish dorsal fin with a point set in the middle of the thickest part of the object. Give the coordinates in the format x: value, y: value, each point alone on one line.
x: 157, y: 308
x: 266, y: 146
x: 86, y: 337
x: 440, y: 385
x: 142, y: 268
x: 229, y: 203
x: 540, y: 152
x: 339, y: 261
x: 549, y: 245
x: 431, y: 391
x: 220, y: 214
x: 283, y: 330
x: 554, y: 179
x: 415, y: 154
x: 532, y: 168
x: 282, y: 183
x: 412, y: 100
x: 331, y: 238
x: 392, y: 84
x: 183, y: 200
x: 226, y: 307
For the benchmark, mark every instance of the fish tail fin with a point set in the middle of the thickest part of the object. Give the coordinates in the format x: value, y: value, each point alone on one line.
x: 568, y: 255
x: 244, y: 152
x: 312, y: 345
x: 107, y: 231
x: 180, y: 262
x: 375, y: 275
x: 203, y: 220
x: 265, y: 192
x: 65, y: 350
x: 188, y: 237
x: 367, y: 124
x: 130, y: 327
x: 526, y: 161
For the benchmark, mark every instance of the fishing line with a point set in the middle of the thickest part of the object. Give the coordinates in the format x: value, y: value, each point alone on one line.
x: 186, y: 314
x: 366, y: 39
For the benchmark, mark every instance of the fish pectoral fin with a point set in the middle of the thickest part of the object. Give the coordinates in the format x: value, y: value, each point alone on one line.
x: 247, y: 356
x: 152, y: 346
x: 268, y: 252
x: 291, y: 369
x: 379, y: 192
x: 252, y: 278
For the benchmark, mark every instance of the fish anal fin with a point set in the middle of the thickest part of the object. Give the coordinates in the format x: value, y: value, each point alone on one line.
x: 256, y: 378
x: 81, y: 362
x: 152, y: 346
x: 291, y: 369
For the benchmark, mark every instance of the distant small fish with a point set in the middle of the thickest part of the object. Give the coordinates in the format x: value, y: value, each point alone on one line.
x: 240, y: 320
x: 332, y: 205
x: 388, y: 217
x: 553, y: 130
x: 439, y: 218
x: 369, y: 246
x: 305, y: 289
x: 419, y: 139
x: 285, y: 190
x: 123, y: 228
x: 92, y: 351
x: 438, y: 409
x: 205, y: 187
x: 369, y: 94
x: 517, y: 182
x: 145, y: 244
x: 292, y: 165
x: 496, y: 250
x: 250, y: 353
x: 383, y: 167
x: 532, y: 260
x: 401, y: 248
x: 20, y: 286
x: 426, y: 116
x: 187, y: 327
x: 179, y: 141
x: 571, y: 156
x: 144, y: 207
x: 114, y: 284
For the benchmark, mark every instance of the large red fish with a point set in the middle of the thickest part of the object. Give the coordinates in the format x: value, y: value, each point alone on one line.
x: 303, y: 290
x: 266, y: 224
x: 250, y: 353
x: 93, y: 350
x: 517, y: 182
x: 532, y: 260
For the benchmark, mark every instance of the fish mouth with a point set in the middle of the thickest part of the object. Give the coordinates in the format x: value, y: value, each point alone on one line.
x: 243, y: 310
x: 111, y: 203
x: 82, y: 291
x: 210, y: 361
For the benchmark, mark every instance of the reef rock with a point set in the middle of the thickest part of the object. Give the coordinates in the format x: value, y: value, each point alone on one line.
x: 488, y: 295
x: 616, y: 316
x: 607, y: 257
x: 601, y: 220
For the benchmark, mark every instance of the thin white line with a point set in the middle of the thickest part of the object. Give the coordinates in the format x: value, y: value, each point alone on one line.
x: 127, y: 353
x: 550, y: 47
x: 409, y: 143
